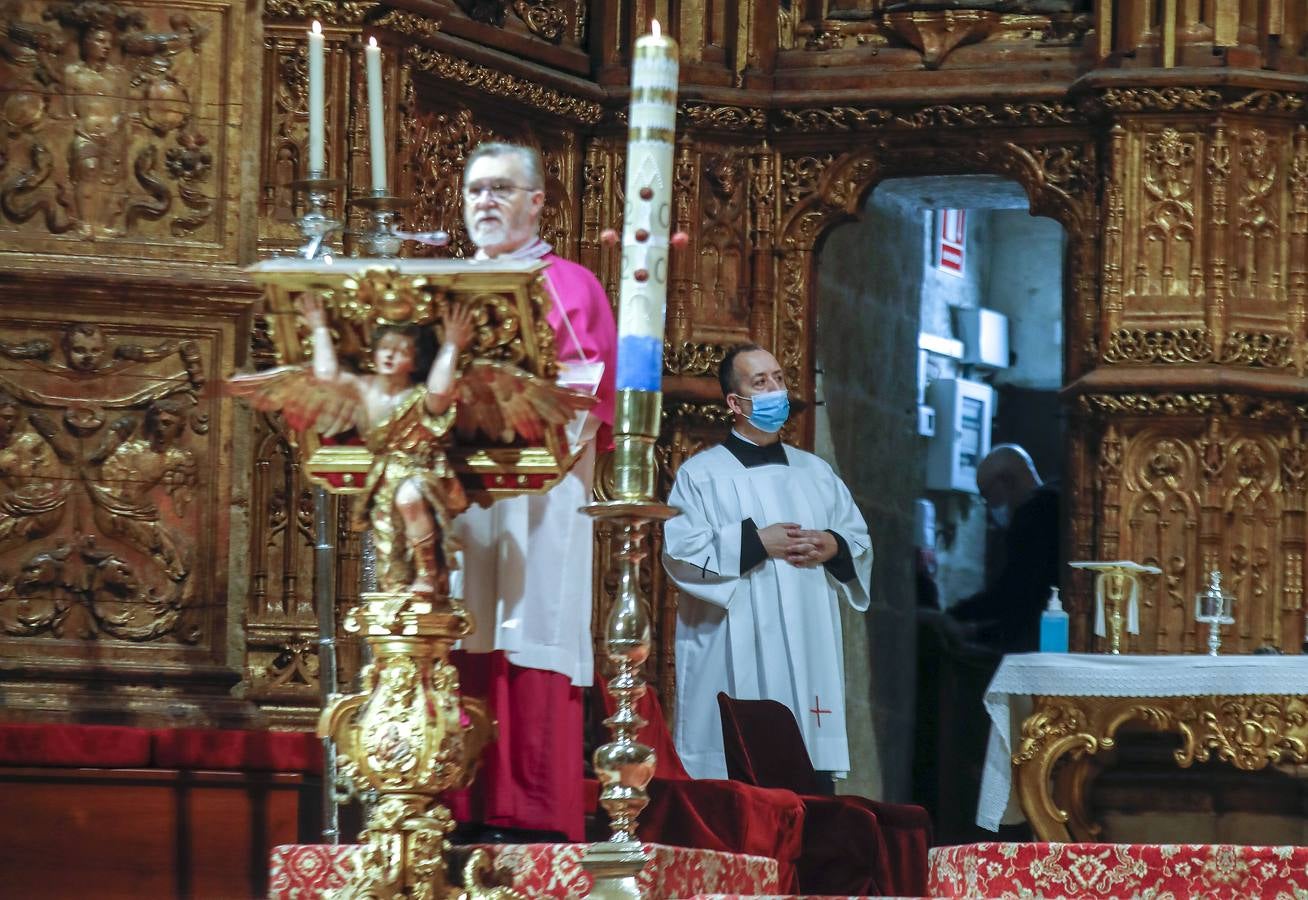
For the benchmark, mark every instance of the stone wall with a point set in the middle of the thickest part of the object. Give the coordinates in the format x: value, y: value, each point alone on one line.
x: 869, y: 278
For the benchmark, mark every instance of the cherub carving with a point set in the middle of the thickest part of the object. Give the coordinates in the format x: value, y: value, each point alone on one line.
x: 408, y: 412
x: 132, y: 468
x: 31, y: 475
x: 84, y: 347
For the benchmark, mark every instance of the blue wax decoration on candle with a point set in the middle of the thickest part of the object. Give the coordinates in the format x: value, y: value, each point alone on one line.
x: 640, y: 363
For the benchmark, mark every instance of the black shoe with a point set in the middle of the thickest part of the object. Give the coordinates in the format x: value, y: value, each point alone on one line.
x: 469, y: 833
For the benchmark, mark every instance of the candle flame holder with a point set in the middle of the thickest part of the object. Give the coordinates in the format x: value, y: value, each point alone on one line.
x: 315, y: 224
x: 380, y: 240
x: 383, y: 239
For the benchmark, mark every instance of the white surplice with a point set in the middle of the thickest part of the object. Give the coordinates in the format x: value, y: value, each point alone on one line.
x: 526, y: 575
x: 773, y: 632
x: 525, y: 572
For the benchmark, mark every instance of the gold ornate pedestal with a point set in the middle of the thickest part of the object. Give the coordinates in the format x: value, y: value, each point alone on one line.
x: 408, y: 736
x: 403, y: 739
x: 1055, y: 761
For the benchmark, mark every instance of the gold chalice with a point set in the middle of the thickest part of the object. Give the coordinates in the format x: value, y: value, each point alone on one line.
x: 1117, y: 597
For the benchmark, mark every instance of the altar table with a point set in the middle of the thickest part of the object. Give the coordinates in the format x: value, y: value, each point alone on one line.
x: 1047, y: 708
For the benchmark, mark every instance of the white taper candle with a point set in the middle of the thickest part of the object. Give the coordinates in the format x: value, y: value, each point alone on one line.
x: 376, y: 116
x: 317, y: 104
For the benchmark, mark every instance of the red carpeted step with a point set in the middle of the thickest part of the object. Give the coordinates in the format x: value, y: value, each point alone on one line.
x: 240, y: 751
x: 83, y: 746
x: 542, y: 871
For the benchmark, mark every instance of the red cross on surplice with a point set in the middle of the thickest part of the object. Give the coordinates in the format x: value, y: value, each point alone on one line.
x: 818, y: 711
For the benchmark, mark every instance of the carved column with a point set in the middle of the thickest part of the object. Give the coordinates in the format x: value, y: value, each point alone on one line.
x: 601, y: 209
x: 1194, y: 392
x: 1146, y: 34
x: 682, y: 284
x: 764, y: 182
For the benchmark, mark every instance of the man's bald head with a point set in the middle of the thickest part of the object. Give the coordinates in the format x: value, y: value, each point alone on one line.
x: 1006, y: 477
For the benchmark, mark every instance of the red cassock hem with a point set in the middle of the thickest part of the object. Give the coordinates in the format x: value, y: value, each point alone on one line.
x: 531, y: 777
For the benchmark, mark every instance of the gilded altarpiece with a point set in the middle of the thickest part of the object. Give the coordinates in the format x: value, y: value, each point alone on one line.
x: 1192, y: 427
x: 282, y: 671
x: 1207, y: 277
x: 116, y: 511
x: 1190, y: 492
x: 122, y: 128
x: 1185, y: 209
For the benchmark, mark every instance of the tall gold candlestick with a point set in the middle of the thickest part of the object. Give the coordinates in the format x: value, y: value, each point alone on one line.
x: 625, y: 765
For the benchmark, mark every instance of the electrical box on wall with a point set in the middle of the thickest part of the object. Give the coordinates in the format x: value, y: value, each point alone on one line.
x: 985, y: 337
x: 962, y: 439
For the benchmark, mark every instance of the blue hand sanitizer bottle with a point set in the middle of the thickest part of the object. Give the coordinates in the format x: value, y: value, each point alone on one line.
x: 1053, y: 626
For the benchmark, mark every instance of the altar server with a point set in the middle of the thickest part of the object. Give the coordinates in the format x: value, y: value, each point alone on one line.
x: 768, y: 544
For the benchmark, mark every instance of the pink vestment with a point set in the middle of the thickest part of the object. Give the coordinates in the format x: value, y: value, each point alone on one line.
x: 591, y: 317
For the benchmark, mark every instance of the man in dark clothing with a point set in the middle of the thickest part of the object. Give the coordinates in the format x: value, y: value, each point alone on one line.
x: 1007, y: 613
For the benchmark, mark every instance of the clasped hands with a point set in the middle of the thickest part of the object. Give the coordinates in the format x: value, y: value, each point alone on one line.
x: 801, y: 547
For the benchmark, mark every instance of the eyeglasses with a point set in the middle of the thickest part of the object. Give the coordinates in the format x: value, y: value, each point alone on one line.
x: 498, y: 190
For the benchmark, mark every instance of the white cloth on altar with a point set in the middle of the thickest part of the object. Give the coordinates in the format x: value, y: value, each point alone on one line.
x: 1021, y: 676
x: 774, y: 632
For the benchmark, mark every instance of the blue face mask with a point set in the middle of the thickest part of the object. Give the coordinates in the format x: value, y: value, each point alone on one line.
x: 769, y: 411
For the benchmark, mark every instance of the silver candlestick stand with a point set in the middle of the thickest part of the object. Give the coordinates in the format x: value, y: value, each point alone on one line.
x: 315, y: 224
x: 381, y: 239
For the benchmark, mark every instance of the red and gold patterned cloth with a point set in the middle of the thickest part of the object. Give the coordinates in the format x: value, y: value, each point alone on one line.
x: 994, y: 870
x: 1158, y: 871
x: 303, y: 871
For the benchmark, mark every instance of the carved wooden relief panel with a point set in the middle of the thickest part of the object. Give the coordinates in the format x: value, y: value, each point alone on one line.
x: 122, y: 127
x: 1194, y: 482
x: 115, y: 508
x: 1213, y: 273
x: 438, y: 143
x: 715, y: 181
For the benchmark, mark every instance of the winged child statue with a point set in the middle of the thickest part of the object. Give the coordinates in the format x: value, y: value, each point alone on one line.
x: 409, y: 410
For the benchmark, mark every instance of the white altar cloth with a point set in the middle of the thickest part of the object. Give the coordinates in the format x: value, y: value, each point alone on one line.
x: 1024, y: 675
